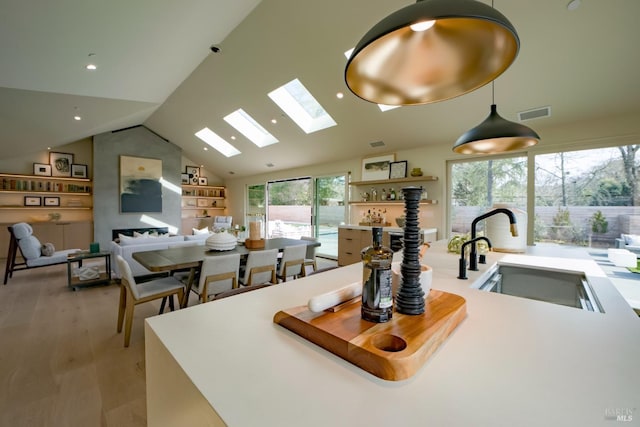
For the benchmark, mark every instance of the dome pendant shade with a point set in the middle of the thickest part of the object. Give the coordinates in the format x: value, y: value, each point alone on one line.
x: 468, y: 46
x: 495, y: 135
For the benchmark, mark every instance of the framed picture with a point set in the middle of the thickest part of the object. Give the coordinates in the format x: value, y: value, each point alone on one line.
x: 374, y: 168
x: 203, y: 203
x: 32, y: 201
x: 398, y: 169
x: 79, y: 171
x: 60, y: 163
x: 203, y: 180
x: 41, y: 169
x: 184, y: 178
x: 52, y: 201
x: 194, y: 174
x: 140, y: 187
x: 190, y: 203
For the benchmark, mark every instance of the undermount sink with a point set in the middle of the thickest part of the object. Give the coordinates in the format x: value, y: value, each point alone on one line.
x: 570, y: 289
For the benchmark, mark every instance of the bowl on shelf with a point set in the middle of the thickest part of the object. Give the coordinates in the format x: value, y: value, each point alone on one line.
x: 400, y: 221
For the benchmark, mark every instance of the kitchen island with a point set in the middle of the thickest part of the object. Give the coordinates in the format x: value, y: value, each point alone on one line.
x: 511, y: 362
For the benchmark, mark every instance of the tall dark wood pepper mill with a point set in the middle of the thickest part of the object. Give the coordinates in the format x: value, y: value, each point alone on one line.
x: 410, y: 298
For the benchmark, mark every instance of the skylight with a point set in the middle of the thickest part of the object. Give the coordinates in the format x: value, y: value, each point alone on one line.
x: 298, y: 103
x: 246, y: 125
x: 211, y: 138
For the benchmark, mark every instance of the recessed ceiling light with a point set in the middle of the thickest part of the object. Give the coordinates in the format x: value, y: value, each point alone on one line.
x: 274, y: 121
x: 339, y: 95
x: 205, y: 148
x: 211, y: 138
x: 78, y: 118
x: 91, y: 67
x: 233, y: 137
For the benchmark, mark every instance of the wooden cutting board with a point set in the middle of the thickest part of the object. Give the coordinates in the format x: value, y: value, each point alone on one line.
x: 392, y: 351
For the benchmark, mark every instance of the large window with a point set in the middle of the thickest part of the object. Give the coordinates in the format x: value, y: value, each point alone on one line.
x: 476, y: 186
x: 582, y: 197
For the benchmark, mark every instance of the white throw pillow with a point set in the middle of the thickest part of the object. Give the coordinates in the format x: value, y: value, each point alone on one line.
x: 145, y: 234
x: 634, y: 240
x: 201, y: 231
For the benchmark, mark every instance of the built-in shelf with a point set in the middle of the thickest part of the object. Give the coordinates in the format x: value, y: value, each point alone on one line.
x: 40, y: 208
x: 396, y: 181
x: 392, y: 202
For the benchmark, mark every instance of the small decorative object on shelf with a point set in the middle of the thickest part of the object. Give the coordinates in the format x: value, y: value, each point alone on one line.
x: 416, y: 172
x: 410, y: 298
x: 377, y: 300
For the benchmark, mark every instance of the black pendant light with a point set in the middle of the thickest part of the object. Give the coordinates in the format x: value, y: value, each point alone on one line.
x: 495, y: 135
x: 431, y: 51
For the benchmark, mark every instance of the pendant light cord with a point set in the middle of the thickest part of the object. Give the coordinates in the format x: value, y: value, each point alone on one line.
x: 493, y: 86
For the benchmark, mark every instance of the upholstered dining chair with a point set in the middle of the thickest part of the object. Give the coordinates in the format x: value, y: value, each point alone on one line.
x: 292, y: 262
x: 132, y: 294
x: 260, y: 267
x: 217, y: 274
x: 310, y: 257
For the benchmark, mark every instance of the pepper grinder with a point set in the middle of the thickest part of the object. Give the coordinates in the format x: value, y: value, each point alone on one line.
x: 410, y: 298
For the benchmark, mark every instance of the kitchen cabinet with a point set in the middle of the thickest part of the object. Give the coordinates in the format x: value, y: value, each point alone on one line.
x: 351, y: 241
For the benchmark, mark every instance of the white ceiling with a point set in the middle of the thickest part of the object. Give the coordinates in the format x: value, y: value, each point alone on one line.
x: 156, y: 69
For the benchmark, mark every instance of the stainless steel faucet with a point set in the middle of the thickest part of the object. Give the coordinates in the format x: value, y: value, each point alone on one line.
x: 462, y: 263
x: 473, y: 256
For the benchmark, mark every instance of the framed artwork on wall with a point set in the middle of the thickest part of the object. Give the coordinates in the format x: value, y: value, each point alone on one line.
x: 140, y: 187
x: 41, y: 169
x: 60, y: 163
x: 203, y: 180
x: 79, y: 171
x: 184, y: 178
x: 398, y: 170
x: 374, y: 168
x: 203, y: 203
x: 194, y: 174
x: 32, y: 201
x: 52, y: 201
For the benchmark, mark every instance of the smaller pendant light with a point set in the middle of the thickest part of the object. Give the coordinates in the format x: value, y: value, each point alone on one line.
x: 495, y: 135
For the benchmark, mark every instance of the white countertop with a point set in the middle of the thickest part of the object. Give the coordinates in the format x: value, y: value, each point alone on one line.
x: 511, y: 362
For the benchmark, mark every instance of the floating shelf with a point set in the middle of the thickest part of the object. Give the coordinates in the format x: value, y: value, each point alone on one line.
x: 393, y: 202
x: 396, y: 181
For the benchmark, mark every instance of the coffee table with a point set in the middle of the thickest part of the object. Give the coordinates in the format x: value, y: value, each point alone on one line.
x: 75, y: 282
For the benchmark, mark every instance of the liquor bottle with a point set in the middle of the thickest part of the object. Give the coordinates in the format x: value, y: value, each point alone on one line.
x: 393, y: 193
x: 384, y: 194
x: 377, y: 300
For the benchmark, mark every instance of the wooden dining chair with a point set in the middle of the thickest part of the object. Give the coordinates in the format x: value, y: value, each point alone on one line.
x: 292, y: 262
x: 132, y: 294
x: 260, y: 267
x: 217, y: 274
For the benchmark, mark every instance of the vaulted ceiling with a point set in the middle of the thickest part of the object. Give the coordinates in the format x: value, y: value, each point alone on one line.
x: 155, y: 67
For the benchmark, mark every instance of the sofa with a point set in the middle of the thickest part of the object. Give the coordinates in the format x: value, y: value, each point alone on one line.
x: 128, y: 241
x: 630, y: 242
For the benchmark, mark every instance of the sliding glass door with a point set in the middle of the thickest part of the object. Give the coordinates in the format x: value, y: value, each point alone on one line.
x: 330, y: 212
x: 306, y: 206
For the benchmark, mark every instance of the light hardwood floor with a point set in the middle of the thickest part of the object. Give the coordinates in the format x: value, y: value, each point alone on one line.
x: 62, y: 363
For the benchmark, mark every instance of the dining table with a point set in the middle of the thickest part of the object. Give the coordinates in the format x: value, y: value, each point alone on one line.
x: 191, y: 257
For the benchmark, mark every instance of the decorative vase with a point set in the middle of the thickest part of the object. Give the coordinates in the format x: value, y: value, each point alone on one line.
x: 416, y: 172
